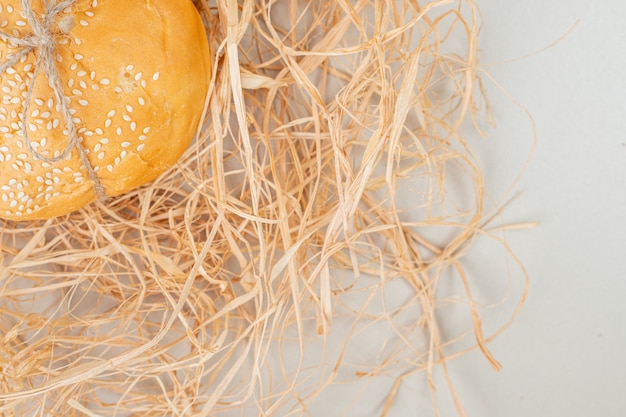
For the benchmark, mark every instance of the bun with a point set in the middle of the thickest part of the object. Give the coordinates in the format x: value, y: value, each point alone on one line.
x: 134, y: 77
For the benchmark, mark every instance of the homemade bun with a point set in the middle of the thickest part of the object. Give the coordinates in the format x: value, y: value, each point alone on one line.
x: 136, y: 75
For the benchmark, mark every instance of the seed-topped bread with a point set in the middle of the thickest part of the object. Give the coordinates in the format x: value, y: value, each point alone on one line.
x: 98, y: 97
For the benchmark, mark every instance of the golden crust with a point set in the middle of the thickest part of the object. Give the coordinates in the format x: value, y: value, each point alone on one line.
x: 136, y: 74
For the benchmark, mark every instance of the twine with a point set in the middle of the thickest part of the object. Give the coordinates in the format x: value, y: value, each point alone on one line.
x: 42, y: 41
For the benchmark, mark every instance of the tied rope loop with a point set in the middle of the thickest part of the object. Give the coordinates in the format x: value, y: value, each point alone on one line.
x: 42, y: 40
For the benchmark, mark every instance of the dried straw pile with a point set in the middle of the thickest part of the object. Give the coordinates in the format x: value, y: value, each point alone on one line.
x: 319, y: 181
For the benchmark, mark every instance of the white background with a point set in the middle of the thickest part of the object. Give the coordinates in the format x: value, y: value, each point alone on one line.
x: 565, y: 355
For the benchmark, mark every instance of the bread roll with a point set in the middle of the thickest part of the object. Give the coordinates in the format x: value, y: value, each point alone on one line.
x: 134, y: 76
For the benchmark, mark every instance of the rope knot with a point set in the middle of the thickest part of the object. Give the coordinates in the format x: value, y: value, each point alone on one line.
x: 42, y: 40
x: 46, y: 39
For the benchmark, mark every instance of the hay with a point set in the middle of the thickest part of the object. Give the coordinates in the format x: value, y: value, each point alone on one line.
x: 333, y: 169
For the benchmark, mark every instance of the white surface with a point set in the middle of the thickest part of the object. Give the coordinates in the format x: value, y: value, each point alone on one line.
x: 565, y: 354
